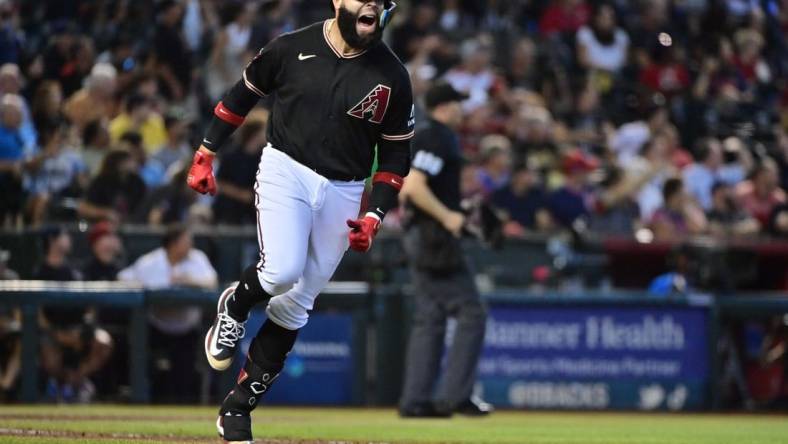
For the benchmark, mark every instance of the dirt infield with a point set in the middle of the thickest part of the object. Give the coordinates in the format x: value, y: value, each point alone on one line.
x: 82, y: 436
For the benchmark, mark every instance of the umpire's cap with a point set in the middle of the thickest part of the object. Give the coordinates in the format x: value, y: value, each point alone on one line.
x: 440, y: 93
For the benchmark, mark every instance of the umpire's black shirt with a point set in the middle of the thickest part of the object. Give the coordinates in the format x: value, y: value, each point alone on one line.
x: 436, y: 153
x: 329, y: 110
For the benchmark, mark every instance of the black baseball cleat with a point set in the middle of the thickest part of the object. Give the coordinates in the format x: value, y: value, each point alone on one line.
x: 235, y: 428
x: 423, y: 410
x: 474, y: 406
x: 224, y: 335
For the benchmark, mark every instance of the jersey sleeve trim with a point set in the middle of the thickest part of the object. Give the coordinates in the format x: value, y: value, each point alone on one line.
x: 251, y: 87
x: 399, y: 137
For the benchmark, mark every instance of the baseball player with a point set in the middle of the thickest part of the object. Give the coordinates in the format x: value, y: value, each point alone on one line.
x: 337, y: 92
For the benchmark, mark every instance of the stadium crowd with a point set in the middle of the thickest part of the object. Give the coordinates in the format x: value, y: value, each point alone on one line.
x: 619, y: 115
x: 662, y: 118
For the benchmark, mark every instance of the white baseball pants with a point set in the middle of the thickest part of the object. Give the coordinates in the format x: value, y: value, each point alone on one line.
x: 301, y: 231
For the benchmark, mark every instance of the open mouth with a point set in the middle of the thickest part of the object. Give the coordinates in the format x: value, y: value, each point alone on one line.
x: 367, y: 22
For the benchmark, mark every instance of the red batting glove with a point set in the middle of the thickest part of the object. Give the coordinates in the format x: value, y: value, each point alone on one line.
x: 362, y: 232
x: 200, y: 177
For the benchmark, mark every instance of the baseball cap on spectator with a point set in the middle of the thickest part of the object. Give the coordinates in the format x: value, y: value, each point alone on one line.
x: 441, y: 93
x: 576, y: 161
x: 492, y: 144
x: 100, y: 230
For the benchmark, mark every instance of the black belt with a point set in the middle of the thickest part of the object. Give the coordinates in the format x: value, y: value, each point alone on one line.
x: 341, y: 177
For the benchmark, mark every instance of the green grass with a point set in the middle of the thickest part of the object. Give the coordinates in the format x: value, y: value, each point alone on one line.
x: 119, y: 423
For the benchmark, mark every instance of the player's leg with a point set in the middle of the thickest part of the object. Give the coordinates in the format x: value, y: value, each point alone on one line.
x: 462, y: 358
x: 284, y: 220
x: 264, y: 361
x: 288, y: 312
x: 328, y: 243
x: 425, y: 348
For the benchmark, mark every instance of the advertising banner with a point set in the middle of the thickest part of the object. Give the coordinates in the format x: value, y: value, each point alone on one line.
x: 648, y: 358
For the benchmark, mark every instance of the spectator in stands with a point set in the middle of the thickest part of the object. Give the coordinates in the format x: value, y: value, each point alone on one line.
x: 172, y: 56
x: 46, y: 109
x: 95, y: 145
x: 10, y: 352
x: 95, y: 101
x: 616, y: 210
x: 73, y: 347
x: 116, y: 192
x: 176, y: 330
x: 177, y: 147
x: 677, y: 280
x: 564, y: 17
x: 10, y: 343
x: 6, y: 273
x: 235, y: 203
x: 151, y: 172
x: 170, y: 204
x: 229, y: 48
x: 140, y: 117
x: 679, y: 217
x: 11, y: 83
x: 525, y: 202
x: 106, y: 249
x: 495, y: 167
x: 665, y: 72
x: 12, y: 157
x: 574, y: 200
x: 602, y: 46
x: 475, y: 75
x: 630, y: 138
x: 710, y: 168
x: 760, y: 195
x: 726, y: 216
x: 56, y: 174
x: 11, y: 38
x: 408, y: 37
x: 68, y: 58
x: 651, y: 169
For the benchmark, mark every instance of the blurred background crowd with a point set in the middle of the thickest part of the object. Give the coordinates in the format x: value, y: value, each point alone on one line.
x: 646, y: 119
x: 663, y: 118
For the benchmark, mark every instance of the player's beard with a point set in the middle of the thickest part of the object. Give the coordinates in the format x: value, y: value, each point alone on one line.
x: 347, y: 27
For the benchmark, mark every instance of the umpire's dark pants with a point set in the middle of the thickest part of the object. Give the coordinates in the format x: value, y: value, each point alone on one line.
x: 437, y: 297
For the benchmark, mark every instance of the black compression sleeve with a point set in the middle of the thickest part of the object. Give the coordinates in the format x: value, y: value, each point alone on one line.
x: 229, y: 114
x: 393, y: 166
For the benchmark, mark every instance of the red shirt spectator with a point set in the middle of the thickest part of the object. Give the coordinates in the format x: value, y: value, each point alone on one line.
x: 564, y: 16
x: 761, y: 194
x: 668, y: 79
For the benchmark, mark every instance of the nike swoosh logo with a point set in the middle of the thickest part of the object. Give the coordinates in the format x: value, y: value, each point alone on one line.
x: 213, y: 348
x: 303, y: 57
x: 206, y: 141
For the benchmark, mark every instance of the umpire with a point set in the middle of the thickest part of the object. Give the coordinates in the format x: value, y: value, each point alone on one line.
x: 442, y: 280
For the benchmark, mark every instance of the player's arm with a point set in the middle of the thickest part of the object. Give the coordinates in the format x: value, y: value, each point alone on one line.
x: 417, y: 191
x: 258, y: 80
x: 393, y: 166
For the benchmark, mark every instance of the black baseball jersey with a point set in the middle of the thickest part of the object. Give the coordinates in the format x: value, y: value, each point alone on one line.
x: 329, y: 111
x: 436, y: 153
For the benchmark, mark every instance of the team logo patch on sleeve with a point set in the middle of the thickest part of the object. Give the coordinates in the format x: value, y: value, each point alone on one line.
x: 373, y: 105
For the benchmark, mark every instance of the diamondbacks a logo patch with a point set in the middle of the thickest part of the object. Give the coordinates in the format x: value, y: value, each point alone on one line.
x: 374, y: 105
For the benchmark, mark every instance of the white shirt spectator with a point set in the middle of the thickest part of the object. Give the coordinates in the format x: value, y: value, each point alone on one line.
x: 606, y: 57
x: 629, y: 140
x: 477, y: 86
x: 699, y: 180
x: 154, y: 271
